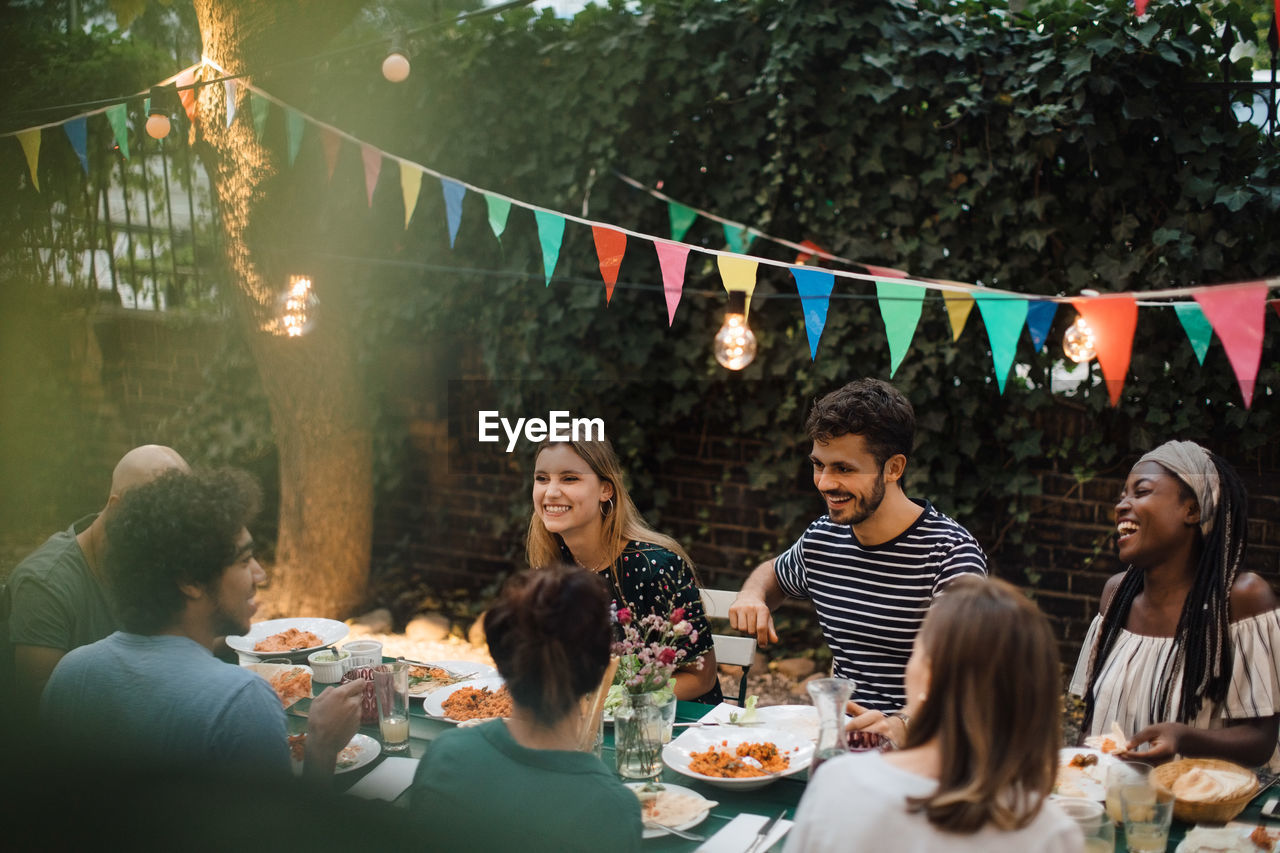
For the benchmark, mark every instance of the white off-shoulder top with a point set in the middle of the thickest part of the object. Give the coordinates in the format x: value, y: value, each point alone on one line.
x: 1126, y: 685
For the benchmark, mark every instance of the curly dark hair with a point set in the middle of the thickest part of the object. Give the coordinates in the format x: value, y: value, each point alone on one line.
x: 180, y: 528
x: 871, y: 408
x: 550, y: 635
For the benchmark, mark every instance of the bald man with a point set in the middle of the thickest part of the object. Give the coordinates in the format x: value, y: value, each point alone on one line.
x: 59, y: 602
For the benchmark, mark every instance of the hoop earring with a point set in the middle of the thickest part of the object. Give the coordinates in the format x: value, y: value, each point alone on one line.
x: 610, y: 510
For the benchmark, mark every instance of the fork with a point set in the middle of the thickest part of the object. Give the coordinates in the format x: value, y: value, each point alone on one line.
x: 678, y: 833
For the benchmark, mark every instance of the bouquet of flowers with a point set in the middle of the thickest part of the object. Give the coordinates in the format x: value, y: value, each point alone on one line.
x: 651, y: 649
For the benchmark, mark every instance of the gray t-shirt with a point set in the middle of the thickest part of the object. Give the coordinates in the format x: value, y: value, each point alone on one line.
x: 56, y: 602
x: 166, y: 702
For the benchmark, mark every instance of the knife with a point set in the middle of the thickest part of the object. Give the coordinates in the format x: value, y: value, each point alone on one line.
x: 764, y: 832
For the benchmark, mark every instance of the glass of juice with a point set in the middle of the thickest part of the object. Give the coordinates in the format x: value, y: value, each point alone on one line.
x: 1148, y: 813
x: 391, y: 688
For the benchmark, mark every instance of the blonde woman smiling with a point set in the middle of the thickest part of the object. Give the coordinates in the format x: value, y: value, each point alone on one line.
x: 583, y: 514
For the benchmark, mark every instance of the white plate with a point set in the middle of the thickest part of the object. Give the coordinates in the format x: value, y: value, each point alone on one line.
x: 329, y: 631
x: 1089, y: 782
x: 433, y: 702
x: 676, y: 754
x: 268, y: 670
x: 688, y: 824
x: 366, y: 749
x: 457, y: 667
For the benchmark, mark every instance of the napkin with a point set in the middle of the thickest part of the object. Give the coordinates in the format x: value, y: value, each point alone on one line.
x: 386, y: 781
x: 739, y: 833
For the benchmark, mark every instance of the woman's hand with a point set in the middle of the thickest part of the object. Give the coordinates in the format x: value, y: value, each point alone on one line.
x: 867, y: 720
x: 1165, y: 740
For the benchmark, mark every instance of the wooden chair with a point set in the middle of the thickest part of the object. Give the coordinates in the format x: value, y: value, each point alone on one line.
x: 733, y: 651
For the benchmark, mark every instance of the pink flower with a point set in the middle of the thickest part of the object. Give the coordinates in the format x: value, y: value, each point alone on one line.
x: 624, y: 616
x: 667, y: 655
x: 682, y: 629
x: 677, y: 615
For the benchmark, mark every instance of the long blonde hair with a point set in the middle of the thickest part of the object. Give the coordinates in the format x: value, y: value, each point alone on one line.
x: 620, y: 525
x: 994, y: 703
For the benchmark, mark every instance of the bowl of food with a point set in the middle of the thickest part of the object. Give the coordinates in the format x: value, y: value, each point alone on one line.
x: 329, y: 665
x: 291, y: 638
x: 290, y: 682
x: 742, y: 759
x: 479, y: 699
x: 1206, y: 790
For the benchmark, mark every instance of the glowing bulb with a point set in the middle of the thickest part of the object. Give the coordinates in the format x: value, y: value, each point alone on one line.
x: 1078, y: 342
x: 735, y: 345
x: 296, y: 314
x: 395, y: 67
x: 158, y: 125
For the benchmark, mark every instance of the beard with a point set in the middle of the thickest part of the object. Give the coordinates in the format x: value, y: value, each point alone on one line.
x: 861, y: 507
x: 227, y: 623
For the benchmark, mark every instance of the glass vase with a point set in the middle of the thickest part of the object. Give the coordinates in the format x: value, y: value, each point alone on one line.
x: 638, y: 725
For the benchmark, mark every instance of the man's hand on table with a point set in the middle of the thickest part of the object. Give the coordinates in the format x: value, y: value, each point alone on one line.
x: 867, y: 720
x: 332, y: 721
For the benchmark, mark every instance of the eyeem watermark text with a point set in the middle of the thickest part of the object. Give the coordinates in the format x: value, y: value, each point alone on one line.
x: 558, y: 426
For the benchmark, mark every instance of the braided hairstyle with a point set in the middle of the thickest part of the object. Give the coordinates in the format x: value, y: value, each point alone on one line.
x: 1203, y: 664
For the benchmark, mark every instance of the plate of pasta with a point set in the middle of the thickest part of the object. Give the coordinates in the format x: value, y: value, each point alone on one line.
x: 288, y: 637
x: 476, y: 699
x: 742, y: 759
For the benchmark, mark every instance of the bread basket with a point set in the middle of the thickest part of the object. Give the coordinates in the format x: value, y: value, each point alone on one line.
x: 1218, y: 810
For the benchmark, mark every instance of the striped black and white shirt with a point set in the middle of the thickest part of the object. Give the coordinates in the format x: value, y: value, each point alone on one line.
x: 871, y: 599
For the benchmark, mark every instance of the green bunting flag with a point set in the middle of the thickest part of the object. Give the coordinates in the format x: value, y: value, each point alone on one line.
x: 294, y: 124
x: 1004, y: 319
x: 900, y: 306
x: 261, y: 109
x: 737, y: 237
x: 499, y: 210
x: 681, y: 219
x: 550, y: 235
x: 1197, y: 326
x: 118, y: 117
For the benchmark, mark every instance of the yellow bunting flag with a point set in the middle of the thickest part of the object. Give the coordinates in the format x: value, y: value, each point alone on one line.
x: 410, y: 184
x: 958, y: 307
x: 30, y: 140
x: 738, y: 274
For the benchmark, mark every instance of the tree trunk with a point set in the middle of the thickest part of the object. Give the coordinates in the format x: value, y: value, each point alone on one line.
x: 318, y: 406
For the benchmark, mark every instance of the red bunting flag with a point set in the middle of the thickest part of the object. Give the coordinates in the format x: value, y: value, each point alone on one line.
x: 1140, y: 6
x: 1238, y: 315
x: 884, y: 272
x: 331, y: 142
x: 187, y: 96
x: 372, y: 166
x: 1113, y: 320
x: 610, y: 247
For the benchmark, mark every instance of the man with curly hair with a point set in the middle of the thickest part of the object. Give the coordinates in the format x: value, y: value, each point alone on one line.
x: 57, y: 595
x: 873, y: 564
x: 182, y: 572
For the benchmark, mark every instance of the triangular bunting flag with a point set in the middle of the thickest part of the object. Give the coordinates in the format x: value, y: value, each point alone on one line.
x: 1197, y: 327
x: 738, y: 274
x: 118, y: 118
x: 77, y: 132
x: 231, y: 100
x: 1113, y: 320
x: 331, y: 142
x: 372, y: 158
x: 186, y: 95
x: 30, y: 141
x: 681, y: 219
x: 672, y: 258
x: 550, y: 236
x: 815, y: 288
x: 1140, y: 6
x: 1238, y: 315
x: 884, y: 272
x: 1004, y: 318
x: 737, y: 238
x: 499, y: 209
x: 261, y: 109
x: 410, y: 185
x: 294, y: 124
x: 453, y: 195
x: 1039, y: 320
x: 900, y: 306
x: 958, y: 307
x: 611, y: 245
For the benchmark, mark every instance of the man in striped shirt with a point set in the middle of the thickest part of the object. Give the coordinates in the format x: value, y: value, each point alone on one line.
x: 873, y: 564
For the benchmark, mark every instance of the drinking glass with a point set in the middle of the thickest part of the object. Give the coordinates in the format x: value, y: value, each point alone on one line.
x: 1099, y: 832
x: 391, y: 688
x: 1148, y: 813
x: 1124, y: 774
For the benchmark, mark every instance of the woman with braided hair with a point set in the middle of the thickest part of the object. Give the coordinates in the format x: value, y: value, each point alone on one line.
x: 1182, y: 655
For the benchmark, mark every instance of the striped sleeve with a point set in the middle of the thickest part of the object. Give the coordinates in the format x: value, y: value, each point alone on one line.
x: 788, y: 567
x: 962, y: 556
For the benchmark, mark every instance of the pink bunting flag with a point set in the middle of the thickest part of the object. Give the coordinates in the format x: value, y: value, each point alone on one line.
x: 330, y: 141
x: 1140, y: 6
x: 187, y: 96
x: 611, y: 245
x: 884, y: 272
x: 1113, y: 320
x: 672, y: 258
x: 1238, y: 315
x: 372, y: 166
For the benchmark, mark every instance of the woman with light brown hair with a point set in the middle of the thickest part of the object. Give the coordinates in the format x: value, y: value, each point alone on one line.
x: 583, y: 515
x: 981, y: 751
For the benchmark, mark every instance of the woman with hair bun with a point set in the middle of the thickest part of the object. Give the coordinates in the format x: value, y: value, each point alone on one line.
x: 520, y: 783
x: 1181, y: 655
x: 981, y: 752
x: 583, y: 514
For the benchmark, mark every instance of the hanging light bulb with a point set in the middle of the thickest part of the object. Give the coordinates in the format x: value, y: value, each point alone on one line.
x: 163, y: 101
x: 296, y: 311
x: 735, y: 343
x: 396, y: 66
x: 1078, y: 342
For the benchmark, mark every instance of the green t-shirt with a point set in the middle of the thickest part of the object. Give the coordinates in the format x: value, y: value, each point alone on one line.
x: 477, y: 789
x: 56, y: 601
